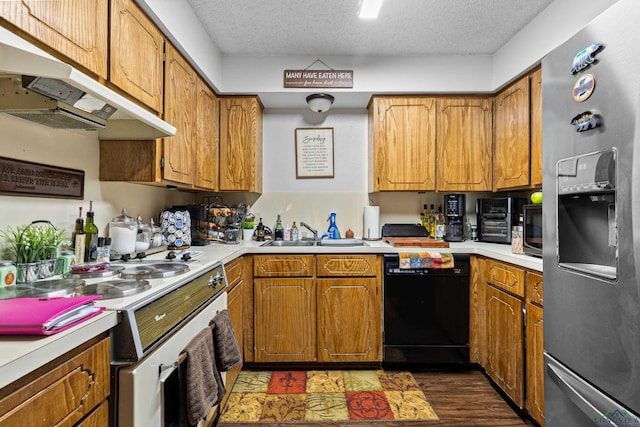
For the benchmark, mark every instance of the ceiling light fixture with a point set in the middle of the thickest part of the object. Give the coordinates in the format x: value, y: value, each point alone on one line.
x: 320, y: 102
x: 369, y: 9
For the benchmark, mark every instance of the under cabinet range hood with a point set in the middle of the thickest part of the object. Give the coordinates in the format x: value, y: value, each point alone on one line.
x: 53, y: 103
x: 38, y: 87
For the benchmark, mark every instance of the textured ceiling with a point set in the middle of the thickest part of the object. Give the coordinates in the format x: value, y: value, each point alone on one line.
x: 332, y: 27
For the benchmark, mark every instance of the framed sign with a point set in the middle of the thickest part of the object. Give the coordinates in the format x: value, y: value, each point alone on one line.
x: 314, y: 153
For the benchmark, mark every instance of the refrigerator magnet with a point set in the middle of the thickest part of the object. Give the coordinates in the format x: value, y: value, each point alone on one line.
x: 583, y: 87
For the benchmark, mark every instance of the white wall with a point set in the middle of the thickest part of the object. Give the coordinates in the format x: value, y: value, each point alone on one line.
x: 27, y: 141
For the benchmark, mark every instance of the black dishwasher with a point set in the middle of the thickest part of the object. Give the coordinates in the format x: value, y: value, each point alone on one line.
x: 426, y: 314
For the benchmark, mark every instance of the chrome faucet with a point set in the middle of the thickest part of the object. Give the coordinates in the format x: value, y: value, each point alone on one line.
x: 308, y: 227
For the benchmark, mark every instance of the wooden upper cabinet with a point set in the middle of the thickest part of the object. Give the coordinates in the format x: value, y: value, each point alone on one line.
x: 69, y: 29
x: 241, y: 144
x: 511, y: 136
x: 536, y: 128
x: 137, y: 49
x: 180, y: 111
x: 402, y: 143
x: 207, y: 137
x: 464, y: 144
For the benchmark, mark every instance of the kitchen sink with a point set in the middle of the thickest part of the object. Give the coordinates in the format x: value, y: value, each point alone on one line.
x: 338, y: 243
x: 281, y: 243
x: 341, y: 243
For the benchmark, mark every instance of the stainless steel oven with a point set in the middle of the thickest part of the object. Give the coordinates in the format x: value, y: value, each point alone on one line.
x: 147, y: 346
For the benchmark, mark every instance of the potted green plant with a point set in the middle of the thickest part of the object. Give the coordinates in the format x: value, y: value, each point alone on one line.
x: 248, y: 227
x: 34, y: 247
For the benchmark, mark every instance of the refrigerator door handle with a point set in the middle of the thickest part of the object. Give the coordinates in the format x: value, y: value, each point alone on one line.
x: 591, y: 402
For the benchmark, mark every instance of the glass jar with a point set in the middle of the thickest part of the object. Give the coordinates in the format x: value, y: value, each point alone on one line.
x: 156, y: 234
x: 143, y: 236
x: 123, y: 231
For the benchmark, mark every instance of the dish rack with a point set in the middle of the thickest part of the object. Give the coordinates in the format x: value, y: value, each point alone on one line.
x: 212, y: 218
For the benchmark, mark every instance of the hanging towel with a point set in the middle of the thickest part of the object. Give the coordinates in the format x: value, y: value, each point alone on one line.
x: 224, y: 341
x: 203, y: 384
x: 425, y: 260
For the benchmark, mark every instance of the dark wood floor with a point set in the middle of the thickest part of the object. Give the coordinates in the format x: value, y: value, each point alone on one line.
x: 461, y: 399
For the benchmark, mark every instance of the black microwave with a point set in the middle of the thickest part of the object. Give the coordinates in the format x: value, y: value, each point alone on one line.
x: 532, y: 230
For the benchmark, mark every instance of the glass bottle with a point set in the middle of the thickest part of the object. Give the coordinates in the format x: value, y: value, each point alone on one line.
x: 278, y: 232
x: 432, y: 222
x: 260, y: 231
x: 294, y: 231
x: 440, y: 225
x: 91, y: 232
x: 79, y: 228
x: 424, y: 217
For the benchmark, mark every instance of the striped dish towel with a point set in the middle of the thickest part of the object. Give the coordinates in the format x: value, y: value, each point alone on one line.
x: 425, y: 260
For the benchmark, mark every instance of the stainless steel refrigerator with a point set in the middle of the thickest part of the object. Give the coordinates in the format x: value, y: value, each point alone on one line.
x: 591, y: 219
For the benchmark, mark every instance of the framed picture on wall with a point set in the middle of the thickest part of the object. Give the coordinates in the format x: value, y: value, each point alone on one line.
x: 314, y: 153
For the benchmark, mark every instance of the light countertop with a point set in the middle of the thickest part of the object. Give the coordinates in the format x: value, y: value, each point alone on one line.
x: 23, y: 354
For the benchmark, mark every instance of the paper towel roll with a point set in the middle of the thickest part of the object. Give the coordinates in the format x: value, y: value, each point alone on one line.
x: 371, y: 223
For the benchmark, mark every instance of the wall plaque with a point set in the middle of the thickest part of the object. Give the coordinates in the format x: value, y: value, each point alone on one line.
x: 318, y: 78
x: 20, y: 178
x: 314, y: 153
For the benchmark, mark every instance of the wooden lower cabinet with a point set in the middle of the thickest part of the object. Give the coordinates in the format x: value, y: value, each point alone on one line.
x: 331, y: 312
x: 348, y: 320
x: 235, y: 305
x: 534, y: 402
x: 72, y: 390
x: 285, y: 319
x: 506, y: 331
x: 505, y: 339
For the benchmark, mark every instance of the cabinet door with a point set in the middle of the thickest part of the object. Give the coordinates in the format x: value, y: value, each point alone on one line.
x: 285, y: 320
x: 536, y: 128
x: 535, y: 363
x: 235, y: 307
x: 240, y: 144
x: 464, y: 144
x: 63, y: 394
x: 207, y: 137
x: 137, y: 49
x: 349, y: 321
x: 511, y: 136
x: 505, y: 335
x: 180, y: 111
x: 75, y: 29
x: 403, y: 143
x: 477, y: 312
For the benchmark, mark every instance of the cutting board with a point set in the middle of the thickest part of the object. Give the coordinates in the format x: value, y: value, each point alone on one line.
x: 416, y: 242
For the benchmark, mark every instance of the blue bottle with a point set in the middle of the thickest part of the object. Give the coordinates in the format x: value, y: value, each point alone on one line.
x: 333, y: 228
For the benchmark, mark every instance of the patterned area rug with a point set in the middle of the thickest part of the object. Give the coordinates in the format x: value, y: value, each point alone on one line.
x: 297, y: 396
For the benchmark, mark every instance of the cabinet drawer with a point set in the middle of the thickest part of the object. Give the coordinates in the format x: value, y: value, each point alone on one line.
x: 68, y: 391
x: 234, y: 272
x: 347, y: 265
x: 534, y: 288
x: 283, y: 265
x: 506, y: 277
